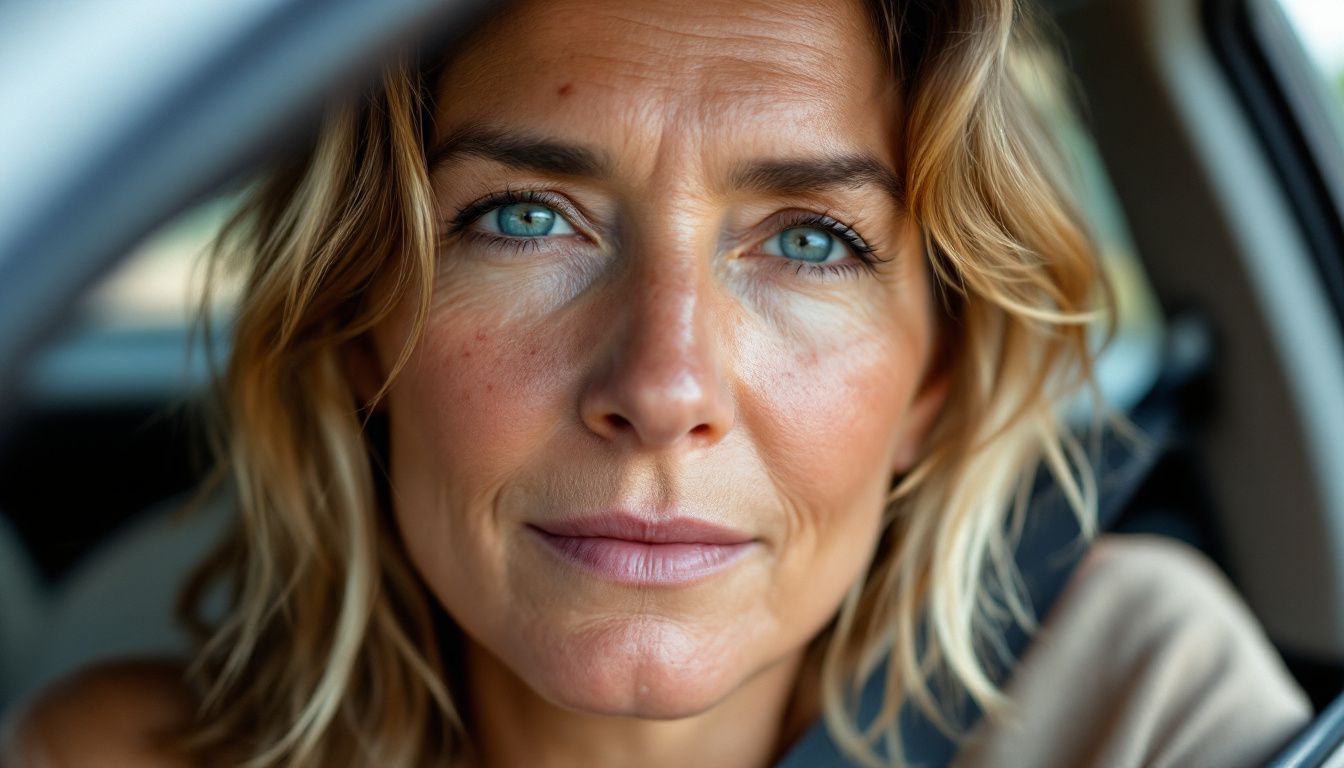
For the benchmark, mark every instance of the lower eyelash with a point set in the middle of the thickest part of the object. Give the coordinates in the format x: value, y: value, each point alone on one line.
x: 517, y: 244
x: 826, y: 271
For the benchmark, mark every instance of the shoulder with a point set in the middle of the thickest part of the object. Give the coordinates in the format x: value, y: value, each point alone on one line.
x: 1158, y: 619
x: 1152, y: 583
x: 1148, y: 657
x: 1146, y: 594
x: 120, y: 713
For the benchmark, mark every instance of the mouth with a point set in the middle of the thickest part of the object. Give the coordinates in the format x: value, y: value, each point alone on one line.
x: 636, y: 551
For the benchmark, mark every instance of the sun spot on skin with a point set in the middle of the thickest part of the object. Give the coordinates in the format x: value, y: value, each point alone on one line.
x: 565, y: 89
x: 489, y: 387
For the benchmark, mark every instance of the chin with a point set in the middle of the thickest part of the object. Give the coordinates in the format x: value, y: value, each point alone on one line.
x: 642, y: 667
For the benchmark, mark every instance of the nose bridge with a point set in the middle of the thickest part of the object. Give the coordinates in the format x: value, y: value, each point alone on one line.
x: 665, y: 375
x: 670, y: 254
x: 669, y: 335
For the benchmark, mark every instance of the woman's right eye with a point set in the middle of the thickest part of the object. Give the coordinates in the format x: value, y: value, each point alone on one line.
x: 525, y: 220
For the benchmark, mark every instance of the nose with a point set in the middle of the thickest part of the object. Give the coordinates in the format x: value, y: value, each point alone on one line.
x: 661, y: 376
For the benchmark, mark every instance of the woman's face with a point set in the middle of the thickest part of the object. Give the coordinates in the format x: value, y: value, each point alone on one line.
x: 677, y: 348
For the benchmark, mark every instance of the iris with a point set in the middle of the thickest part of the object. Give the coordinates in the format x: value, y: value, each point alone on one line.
x: 525, y: 220
x: 808, y: 244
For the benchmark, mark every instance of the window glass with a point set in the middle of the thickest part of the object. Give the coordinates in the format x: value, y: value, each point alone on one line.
x: 1320, y: 26
x: 158, y: 284
x: 131, y: 339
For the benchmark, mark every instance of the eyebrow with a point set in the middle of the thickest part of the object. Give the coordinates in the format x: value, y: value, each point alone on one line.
x: 785, y: 177
x: 799, y: 176
x: 520, y: 151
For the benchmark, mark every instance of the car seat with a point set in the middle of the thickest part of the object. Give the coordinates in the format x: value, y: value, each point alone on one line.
x: 118, y: 602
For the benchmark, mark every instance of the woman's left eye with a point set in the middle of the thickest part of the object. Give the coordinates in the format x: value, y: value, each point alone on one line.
x: 807, y: 244
x: 525, y: 220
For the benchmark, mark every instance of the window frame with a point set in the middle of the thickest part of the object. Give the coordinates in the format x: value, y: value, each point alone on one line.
x: 1277, y: 82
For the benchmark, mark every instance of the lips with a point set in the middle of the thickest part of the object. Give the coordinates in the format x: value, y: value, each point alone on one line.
x: 631, y: 550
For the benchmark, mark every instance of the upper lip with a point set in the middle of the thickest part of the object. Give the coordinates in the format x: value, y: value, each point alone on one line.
x: 631, y: 527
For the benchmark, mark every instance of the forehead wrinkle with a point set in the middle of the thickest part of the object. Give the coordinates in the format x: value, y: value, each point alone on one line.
x: 686, y: 84
x: 683, y: 45
x: 732, y: 67
x: 762, y: 29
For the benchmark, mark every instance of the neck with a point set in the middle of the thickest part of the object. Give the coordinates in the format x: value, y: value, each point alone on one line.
x: 751, y: 727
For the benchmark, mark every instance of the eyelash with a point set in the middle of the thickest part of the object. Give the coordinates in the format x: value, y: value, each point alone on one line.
x: 863, y: 251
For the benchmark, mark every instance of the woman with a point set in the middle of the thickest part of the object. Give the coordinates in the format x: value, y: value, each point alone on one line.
x: 627, y: 387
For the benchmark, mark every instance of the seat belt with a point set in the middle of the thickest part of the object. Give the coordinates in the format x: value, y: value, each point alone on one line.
x: 1047, y: 554
x: 1319, y: 744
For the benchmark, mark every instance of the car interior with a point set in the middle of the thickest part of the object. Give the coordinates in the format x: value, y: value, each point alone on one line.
x: 1206, y: 137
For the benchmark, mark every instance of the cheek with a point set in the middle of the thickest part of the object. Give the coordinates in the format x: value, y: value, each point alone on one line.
x: 826, y: 414
x: 474, y: 401
x: 828, y: 407
x: 475, y: 404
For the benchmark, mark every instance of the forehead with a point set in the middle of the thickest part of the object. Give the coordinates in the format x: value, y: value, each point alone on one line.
x: 651, y: 76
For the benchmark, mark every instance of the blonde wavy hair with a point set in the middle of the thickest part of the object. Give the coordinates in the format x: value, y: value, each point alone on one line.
x: 331, y: 651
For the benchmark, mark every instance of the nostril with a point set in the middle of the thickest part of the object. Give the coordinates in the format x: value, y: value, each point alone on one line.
x: 702, y: 429
x: 618, y: 422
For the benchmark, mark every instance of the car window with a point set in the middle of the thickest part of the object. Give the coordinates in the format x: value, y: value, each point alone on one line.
x: 1319, y: 25
x: 158, y: 284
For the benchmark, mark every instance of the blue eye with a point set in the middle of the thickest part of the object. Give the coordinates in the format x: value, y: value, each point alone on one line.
x: 812, y: 245
x: 525, y: 220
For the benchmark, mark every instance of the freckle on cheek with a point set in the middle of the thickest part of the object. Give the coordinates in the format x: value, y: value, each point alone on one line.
x: 565, y: 89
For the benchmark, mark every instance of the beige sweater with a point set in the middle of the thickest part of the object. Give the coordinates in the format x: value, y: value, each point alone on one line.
x: 1147, y: 659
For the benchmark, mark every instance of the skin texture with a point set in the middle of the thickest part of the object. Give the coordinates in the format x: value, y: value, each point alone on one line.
x: 663, y: 358
x: 660, y: 358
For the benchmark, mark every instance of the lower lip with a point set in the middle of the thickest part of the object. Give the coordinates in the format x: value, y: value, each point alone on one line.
x: 638, y: 563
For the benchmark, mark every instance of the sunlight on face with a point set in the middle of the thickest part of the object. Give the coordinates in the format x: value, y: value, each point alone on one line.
x: 677, y: 349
